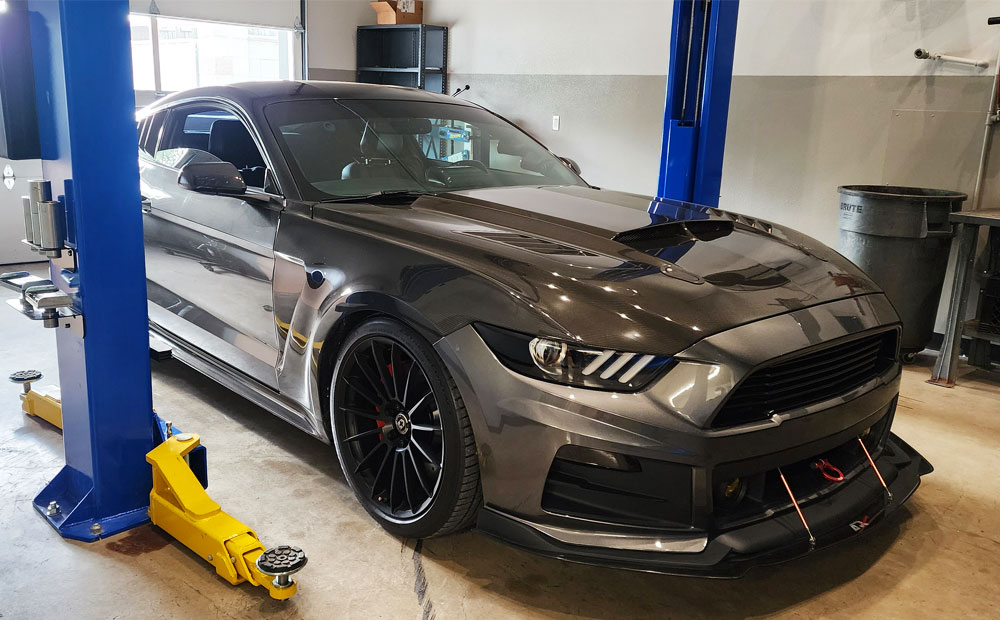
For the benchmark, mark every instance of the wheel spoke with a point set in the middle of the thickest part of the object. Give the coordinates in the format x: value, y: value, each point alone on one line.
x: 378, y: 474
x: 360, y: 392
x: 371, y: 431
x: 382, y: 370
x: 425, y: 427
x: 364, y: 414
x: 423, y: 398
x: 392, y: 481
x: 406, y: 486
x: 370, y: 454
x: 416, y: 470
x: 380, y: 389
x: 423, y: 452
x: 406, y: 387
x: 396, y: 363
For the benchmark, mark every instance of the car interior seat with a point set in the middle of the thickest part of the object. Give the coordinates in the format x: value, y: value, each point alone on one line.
x: 230, y: 141
x: 380, y: 155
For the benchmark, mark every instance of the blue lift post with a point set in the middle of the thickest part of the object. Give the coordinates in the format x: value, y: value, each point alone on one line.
x: 86, y: 109
x: 702, y: 44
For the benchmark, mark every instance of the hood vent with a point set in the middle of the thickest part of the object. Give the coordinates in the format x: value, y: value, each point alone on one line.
x: 529, y: 243
x: 661, y: 236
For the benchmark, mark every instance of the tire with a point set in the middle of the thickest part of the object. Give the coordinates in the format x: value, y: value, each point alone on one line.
x: 402, y: 433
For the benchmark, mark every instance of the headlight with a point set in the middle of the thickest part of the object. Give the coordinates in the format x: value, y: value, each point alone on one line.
x: 563, y: 362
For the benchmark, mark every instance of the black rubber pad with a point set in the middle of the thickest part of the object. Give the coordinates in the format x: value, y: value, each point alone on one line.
x: 24, y: 376
x: 281, y: 559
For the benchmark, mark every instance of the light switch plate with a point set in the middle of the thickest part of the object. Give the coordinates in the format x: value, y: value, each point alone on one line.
x: 555, y: 122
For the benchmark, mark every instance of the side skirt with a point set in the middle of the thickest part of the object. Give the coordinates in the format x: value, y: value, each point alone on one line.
x: 245, y: 386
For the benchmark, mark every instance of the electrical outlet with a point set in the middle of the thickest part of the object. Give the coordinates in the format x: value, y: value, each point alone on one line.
x: 555, y: 122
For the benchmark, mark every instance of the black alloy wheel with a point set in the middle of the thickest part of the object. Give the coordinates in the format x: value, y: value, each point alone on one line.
x: 402, y: 433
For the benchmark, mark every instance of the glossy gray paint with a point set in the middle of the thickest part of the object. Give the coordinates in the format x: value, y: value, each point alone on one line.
x: 258, y: 291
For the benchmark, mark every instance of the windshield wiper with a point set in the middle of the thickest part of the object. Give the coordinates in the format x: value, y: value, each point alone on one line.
x: 392, y: 193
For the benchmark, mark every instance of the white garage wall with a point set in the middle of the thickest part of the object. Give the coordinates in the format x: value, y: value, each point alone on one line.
x: 828, y: 93
x: 332, y: 26
x: 860, y: 37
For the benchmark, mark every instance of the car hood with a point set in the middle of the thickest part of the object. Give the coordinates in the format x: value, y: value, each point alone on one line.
x: 619, y: 270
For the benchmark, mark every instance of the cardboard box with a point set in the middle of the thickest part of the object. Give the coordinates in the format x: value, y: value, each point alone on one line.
x: 389, y: 13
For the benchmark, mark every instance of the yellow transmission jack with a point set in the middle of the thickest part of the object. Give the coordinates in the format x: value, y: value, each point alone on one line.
x: 179, y: 505
x: 45, y: 403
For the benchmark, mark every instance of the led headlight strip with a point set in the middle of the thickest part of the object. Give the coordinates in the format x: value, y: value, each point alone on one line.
x: 564, y: 362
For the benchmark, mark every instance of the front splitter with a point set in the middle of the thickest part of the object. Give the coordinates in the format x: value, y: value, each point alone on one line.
x: 851, y: 511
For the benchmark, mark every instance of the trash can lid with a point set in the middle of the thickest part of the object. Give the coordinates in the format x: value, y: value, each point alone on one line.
x: 897, y: 192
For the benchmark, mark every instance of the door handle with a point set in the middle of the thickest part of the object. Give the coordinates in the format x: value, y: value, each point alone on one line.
x: 147, y: 205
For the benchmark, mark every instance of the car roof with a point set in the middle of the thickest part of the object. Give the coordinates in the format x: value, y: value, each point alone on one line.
x: 252, y: 95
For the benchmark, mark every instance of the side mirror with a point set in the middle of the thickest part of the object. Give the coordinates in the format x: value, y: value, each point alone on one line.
x: 217, y: 177
x: 575, y: 167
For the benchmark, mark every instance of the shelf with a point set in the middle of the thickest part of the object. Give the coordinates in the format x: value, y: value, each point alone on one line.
x: 401, y: 69
x: 400, y: 27
x: 972, y: 329
x: 391, y: 69
x: 404, y: 55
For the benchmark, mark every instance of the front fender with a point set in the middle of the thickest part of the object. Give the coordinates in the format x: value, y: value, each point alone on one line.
x: 327, y: 278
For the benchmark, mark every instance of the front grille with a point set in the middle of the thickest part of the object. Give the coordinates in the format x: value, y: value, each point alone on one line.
x: 808, y: 379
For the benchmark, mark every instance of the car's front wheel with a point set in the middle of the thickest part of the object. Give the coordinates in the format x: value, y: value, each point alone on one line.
x: 402, y: 433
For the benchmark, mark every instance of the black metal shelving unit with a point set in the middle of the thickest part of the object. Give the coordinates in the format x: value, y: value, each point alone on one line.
x: 404, y: 55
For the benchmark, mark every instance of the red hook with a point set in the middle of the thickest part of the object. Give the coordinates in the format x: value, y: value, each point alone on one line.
x: 828, y: 470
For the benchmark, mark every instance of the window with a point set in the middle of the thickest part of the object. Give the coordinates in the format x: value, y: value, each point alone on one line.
x: 203, y: 133
x: 149, y: 132
x: 357, y: 147
x: 170, y: 54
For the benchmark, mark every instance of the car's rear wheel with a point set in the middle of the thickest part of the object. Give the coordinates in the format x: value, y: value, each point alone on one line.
x: 402, y: 433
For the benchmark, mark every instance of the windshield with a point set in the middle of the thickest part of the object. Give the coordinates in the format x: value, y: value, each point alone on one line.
x: 356, y: 148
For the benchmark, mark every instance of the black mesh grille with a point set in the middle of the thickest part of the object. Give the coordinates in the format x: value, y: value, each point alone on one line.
x: 808, y: 379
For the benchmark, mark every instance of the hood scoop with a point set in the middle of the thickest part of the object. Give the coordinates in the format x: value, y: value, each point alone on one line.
x: 654, y: 239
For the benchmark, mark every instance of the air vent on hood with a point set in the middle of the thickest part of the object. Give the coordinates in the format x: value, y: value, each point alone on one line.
x: 529, y: 243
x: 663, y: 236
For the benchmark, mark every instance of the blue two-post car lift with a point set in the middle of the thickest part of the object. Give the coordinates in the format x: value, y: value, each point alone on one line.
x: 124, y: 466
x: 86, y: 110
x: 702, y: 45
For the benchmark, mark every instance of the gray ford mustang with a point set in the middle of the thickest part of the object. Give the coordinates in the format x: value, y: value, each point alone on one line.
x: 488, y: 340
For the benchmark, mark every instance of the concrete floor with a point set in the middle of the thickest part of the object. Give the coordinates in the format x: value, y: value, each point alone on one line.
x: 939, y: 558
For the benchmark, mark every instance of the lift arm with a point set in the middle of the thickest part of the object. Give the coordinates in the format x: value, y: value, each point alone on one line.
x: 179, y: 505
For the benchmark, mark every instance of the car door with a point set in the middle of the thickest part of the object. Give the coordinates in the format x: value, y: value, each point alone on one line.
x: 210, y: 258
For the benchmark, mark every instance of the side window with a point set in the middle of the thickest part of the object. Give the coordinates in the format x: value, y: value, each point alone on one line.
x: 203, y: 133
x: 149, y: 132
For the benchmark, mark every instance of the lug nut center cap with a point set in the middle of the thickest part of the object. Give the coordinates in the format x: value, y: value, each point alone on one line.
x: 402, y: 423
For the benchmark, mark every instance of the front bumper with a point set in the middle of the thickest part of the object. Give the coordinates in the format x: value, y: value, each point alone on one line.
x: 520, y: 425
x: 851, y: 511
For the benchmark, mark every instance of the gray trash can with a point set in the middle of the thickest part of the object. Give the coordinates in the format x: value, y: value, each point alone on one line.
x: 900, y: 236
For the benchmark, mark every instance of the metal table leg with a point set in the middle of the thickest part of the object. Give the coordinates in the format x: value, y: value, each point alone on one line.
x: 947, y: 361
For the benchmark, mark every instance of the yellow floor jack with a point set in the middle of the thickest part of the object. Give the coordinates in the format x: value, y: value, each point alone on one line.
x: 179, y: 505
